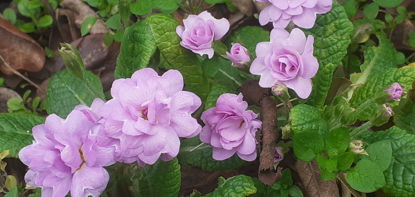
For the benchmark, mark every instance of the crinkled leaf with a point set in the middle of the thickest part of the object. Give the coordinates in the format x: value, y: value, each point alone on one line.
x: 163, y: 28
x: 237, y: 186
x: 366, y: 176
x: 337, y: 141
x: 400, y: 173
x: 65, y: 91
x: 162, y: 179
x: 167, y: 6
x: 202, y: 157
x: 137, y: 47
x: 331, y: 38
x: 141, y: 7
x: 15, y: 130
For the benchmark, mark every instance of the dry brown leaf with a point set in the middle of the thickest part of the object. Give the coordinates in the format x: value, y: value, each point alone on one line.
x: 245, y: 6
x: 83, y: 11
x: 400, y: 35
x: 5, y: 95
x: 309, y: 174
x: 19, y: 50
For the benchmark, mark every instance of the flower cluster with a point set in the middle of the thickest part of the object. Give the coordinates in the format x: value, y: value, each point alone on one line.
x: 142, y: 122
x: 300, y: 12
x: 230, y: 128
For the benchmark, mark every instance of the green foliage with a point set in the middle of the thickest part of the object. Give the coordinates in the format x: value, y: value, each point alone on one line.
x: 284, y: 187
x: 12, y: 193
x: 388, y: 3
x: 141, y: 7
x: 350, y: 6
x: 36, y: 11
x: 65, y: 91
x: 404, y: 117
x: 163, y: 28
x: 162, y: 179
x: 106, y: 8
x: 366, y: 176
x: 371, y: 10
x: 137, y: 47
x: 237, y: 186
x: 244, y: 37
x: 15, y: 130
x: 399, y: 181
x: 337, y: 142
x: 45, y: 21
x: 380, y: 153
x: 412, y: 38
x: 114, y: 22
x: 72, y: 60
x: 87, y: 25
x: 332, y: 37
x: 214, y: 94
x: 202, y: 157
x: 10, y: 15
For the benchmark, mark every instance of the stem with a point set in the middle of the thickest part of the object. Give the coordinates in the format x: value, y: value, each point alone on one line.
x: 362, y: 128
x: 342, y: 179
x: 196, y: 147
x: 20, y: 74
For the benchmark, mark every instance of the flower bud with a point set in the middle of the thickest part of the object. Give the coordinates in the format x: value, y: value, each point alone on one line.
x: 279, y: 155
x: 356, y: 146
x: 395, y: 91
x: 382, y: 115
x: 238, y: 55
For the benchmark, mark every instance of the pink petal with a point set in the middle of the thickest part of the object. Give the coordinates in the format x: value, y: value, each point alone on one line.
x: 306, y: 19
x: 185, y: 125
x: 309, y: 3
x: 172, y: 82
x: 282, y: 4
x: 89, y: 181
x: 263, y: 49
x: 221, y: 25
x: 186, y: 101
x: 258, y: 67
x: 248, y: 145
x: 310, y: 66
x: 153, y: 144
x: 202, y: 52
x: 281, y: 23
x: 301, y: 86
x: 249, y: 157
x: 222, y: 154
x: 266, y: 80
x: 179, y: 30
x: 297, y: 40
x: 269, y: 14
x: 172, y: 145
x: 149, y: 159
x: 278, y: 35
x: 205, y: 134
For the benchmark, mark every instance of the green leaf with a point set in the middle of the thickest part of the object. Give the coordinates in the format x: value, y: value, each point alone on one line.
x: 141, y: 7
x: 222, y: 72
x: 380, y: 153
x: 29, y: 8
x: 350, y: 6
x: 345, y: 161
x: 16, y: 105
x: 65, y: 91
x: 294, y: 191
x: 244, y: 37
x: 124, y: 10
x: 12, y: 193
x: 337, y: 142
x: 15, y: 130
x: 286, y: 179
x: 400, y: 173
x: 328, y: 164
x: 237, y: 186
x: 166, y: 6
x: 168, y: 42
x: 366, y: 176
x: 10, y: 15
x: 162, y: 179
x: 138, y: 45
x: 214, y: 94
x: 114, y: 22
x: 45, y: 21
x: 214, y: 1
x: 308, y: 143
x: 371, y: 10
x: 87, y: 25
x: 72, y: 60
x: 404, y: 117
x: 332, y: 37
x: 27, y: 27
x: 388, y: 3
x: 202, y: 157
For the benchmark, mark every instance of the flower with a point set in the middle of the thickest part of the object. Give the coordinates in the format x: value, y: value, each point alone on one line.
x: 395, y: 91
x: 300, y: 12
x: 287, y: 59
x: 147, y: 115
x: 230, y: 128
x: 199, y: 31
x: 238, y: 55
x: 67, y: 155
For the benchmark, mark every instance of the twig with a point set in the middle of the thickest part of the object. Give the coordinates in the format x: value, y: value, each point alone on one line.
x: 282, y: 104
x: 20, y: 74
x: 196, y: 147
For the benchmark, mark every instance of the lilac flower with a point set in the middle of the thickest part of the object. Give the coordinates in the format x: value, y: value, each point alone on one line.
x: 230, y: 128
x: 148, y: 114
x: 67, y: 155
x: 279, y: 155
x: 238, y: 55
x: 287, y: 59
x: 395, y: 91
x: 300, y: 12
x: 199, y: 31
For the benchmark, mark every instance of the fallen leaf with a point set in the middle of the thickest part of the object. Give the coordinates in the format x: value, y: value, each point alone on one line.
x: 5, y: 95
x: 19, y: 50
x: 245, y: 6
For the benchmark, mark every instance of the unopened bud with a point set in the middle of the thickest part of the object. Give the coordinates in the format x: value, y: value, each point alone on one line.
x: 356, y: 146
x: 287, y: 132
x: 382, y: 115
x: 279, y: 89
x: 279, y: 155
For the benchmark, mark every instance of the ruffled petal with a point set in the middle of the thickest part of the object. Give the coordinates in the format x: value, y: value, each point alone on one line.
x: 301, y: 86
x: 89, y: 181
x: 222, y: 154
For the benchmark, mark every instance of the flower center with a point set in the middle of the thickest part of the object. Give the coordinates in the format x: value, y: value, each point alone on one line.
x: 145, y: 113
x: 83, y: 159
